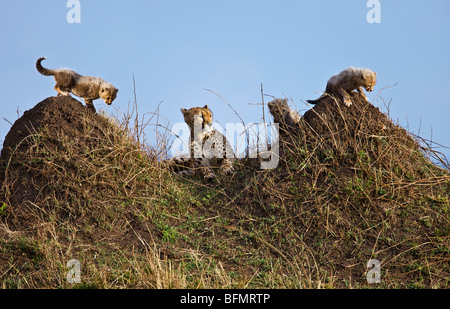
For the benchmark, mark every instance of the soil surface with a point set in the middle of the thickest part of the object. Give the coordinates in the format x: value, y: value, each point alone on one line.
x: 61, y: 114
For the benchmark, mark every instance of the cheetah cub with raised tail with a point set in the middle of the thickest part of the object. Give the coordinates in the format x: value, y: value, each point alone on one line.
x: 86, y: 87
x: 348, y: 80
x: 208, y: 148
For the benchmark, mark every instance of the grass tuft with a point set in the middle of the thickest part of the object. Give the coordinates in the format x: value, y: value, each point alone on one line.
x: 351, y: 186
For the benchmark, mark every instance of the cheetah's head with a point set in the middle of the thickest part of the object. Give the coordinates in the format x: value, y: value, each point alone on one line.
x: 278, y: 108
x: 282, y: 113
x: 108, y: 93
x: 198, y: 116
x: 369, y: 80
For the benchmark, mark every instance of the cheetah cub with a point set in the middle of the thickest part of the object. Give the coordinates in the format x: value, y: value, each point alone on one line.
x: 87, y: 87
x: 347, y: 81
x: 282, y: 113
x: 208, y: 147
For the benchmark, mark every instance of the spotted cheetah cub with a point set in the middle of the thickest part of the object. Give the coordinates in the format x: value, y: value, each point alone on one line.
x: 87, y: 87
x: 282, y: 113
x: 208, y: 147
x: 347, y: 81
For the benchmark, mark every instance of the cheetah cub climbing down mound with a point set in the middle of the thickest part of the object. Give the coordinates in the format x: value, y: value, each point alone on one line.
x: 208, y: 147
x: 347, y: 81
x: 87, y: 87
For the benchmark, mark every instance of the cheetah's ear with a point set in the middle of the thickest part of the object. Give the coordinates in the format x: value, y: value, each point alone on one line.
x: 183, y: 110
x: 206, y: 106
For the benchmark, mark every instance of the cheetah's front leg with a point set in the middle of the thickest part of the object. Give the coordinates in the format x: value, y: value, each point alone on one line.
x: 90, y: 105
x: 345, y: 97
x: 361, y: 92
x: 205, y: 168
x: 227, y: 166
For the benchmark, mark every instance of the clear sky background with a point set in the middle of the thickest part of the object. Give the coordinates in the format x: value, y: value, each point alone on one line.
x: 177, y: 48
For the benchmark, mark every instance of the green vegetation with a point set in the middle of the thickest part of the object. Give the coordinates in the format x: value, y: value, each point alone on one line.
x: 335, y: 202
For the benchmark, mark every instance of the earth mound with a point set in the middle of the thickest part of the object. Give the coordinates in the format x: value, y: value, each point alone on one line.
x: 42, y: 135
x: 361, y: 130
x: 56, y: 114
x: 351, y: 186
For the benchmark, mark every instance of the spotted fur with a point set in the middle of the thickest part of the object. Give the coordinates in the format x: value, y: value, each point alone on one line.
x: 283, y: 114
x: 208, y: 147
x: 87, y: 87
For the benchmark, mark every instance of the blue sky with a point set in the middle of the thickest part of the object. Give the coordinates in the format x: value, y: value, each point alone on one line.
x: 176, y: 49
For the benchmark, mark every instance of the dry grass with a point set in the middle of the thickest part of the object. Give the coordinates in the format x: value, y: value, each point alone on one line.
x: 348, y: 189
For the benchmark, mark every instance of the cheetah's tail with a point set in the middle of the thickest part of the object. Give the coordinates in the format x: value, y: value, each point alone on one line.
x: 43, y: 70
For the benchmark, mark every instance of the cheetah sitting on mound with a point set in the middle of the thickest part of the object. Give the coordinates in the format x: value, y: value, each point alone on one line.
x: 347, y: 81
x: 208, y: 147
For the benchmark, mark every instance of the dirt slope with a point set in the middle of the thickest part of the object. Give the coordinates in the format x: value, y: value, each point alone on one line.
x: 55, y: 113
x: 351, y: 186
